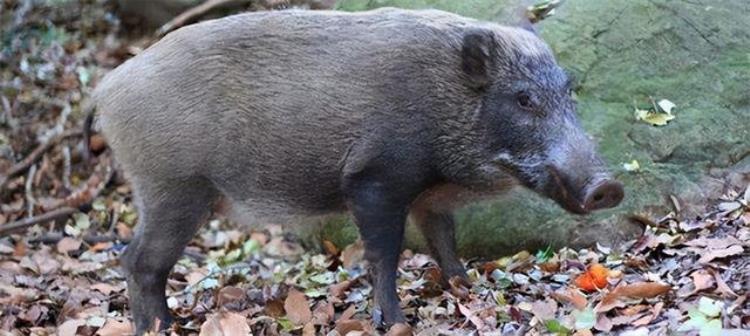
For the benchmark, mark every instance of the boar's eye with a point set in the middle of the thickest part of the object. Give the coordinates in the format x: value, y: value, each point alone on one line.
x: 524, y: 101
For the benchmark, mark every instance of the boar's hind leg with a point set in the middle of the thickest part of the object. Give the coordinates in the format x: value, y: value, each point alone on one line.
x: 438, y: 230
x: 381, y: 219
x: 170, y: 211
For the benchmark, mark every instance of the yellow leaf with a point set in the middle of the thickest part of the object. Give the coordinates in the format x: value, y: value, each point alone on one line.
x: 653, y: 118
x: 633, y: 166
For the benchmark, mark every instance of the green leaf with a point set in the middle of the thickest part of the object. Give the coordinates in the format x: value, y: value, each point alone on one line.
x: 709, y: 307
x: 82, y: 221
x: 99, y: 205
x: 250, y: 247
x: 712, y: 328
x: 585, y: 319
x: 544, y: 255
x: 285, y: 324
x: 232, y: 256
x: 556, y: 327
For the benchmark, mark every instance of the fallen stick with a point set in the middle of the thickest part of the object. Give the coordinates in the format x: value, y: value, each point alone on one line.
x: 196, y: 12
x: 91, y: 239
x: 27, y: 222
x: 37, y: 153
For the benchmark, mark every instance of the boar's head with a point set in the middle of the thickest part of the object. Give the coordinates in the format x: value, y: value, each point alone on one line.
x: 525, y: 125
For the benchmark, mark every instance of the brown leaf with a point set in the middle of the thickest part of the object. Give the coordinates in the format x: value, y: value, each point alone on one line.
x: 639, y: 290
x: 399, y: 329
x: 353, y: 254
x: 603, y: 323
x: 701, y: 280
x: 471, y: 316
x: 713, y: 243
x: 104, y: 288
x: 459, y: 287
x: 721, y: 285
x: 323, y: 313
x: 70, y: 327
x: 225, y: 324
x: 308, y: 329
x: 339, y: 290
x: 68, y: 244
x: 274, y: 308
x: 330, y: 248
x: 115, y: 328
x: 544, y: 310
x: 722, y: 253
x: 655, y: 311
x: 572, y: 296
x: 348, y: 313
x: 297, y: 307
x: 344, y: 327
x: 230, y: 294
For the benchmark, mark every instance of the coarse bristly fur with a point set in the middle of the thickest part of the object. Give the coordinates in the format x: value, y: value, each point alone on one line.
x: 382, y: 113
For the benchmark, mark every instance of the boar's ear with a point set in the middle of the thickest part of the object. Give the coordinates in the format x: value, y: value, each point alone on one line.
x: 477, y: 57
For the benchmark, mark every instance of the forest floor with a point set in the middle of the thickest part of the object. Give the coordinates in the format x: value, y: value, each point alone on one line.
x: 64, y: 221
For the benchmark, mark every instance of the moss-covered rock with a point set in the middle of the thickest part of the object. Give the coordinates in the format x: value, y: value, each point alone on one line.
x: 622, y: 53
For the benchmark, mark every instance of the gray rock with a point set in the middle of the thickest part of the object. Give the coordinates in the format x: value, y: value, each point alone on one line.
x: 692, y: 53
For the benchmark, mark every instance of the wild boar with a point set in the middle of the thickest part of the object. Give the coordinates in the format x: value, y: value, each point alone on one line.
x: 381, y: 113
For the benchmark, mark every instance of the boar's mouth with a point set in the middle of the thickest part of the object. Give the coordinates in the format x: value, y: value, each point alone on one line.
x: 601, y: 193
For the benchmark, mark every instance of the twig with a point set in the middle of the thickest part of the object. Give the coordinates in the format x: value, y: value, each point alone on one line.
x: 91, y: 239
x: 30, y: 201
x: 27, y: 222
x: 196, y: 12
x: 37, y: 153
x: 66, y: 168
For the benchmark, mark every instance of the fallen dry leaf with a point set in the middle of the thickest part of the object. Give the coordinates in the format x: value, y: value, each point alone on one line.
x: 344, y: 327
x: 645, y: 320
x: 297, y: 307
x: 639, y: 290
x: 115, y: 328
x: 353, y: 254
x: 308, y: 329
x: 70, y: 327
x: 323, y: 313
x: 68, y: 244
x: 572, y: 296
x: 722, y: 253
x: 399, y: 329
x: 105, y: 288
x: 230, y: 294
x: 225, y: 324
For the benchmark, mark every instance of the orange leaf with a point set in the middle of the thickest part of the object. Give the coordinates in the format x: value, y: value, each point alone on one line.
x: 593, y: 279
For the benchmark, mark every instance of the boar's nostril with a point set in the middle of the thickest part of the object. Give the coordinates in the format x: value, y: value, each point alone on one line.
x: 605, y: 194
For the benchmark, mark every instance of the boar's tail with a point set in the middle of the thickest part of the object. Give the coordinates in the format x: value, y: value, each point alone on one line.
x: 89, y: 109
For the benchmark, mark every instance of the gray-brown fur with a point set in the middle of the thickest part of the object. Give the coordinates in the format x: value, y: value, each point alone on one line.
x: 382, y: 113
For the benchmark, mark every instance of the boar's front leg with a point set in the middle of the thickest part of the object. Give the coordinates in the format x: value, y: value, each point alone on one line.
x: 380, y: 215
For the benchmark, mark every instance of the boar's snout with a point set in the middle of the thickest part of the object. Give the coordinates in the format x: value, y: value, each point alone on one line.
x: 599, y: 193
x: 605, y: 194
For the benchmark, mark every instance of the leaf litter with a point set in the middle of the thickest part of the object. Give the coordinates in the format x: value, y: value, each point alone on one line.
x: 62, y: 276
